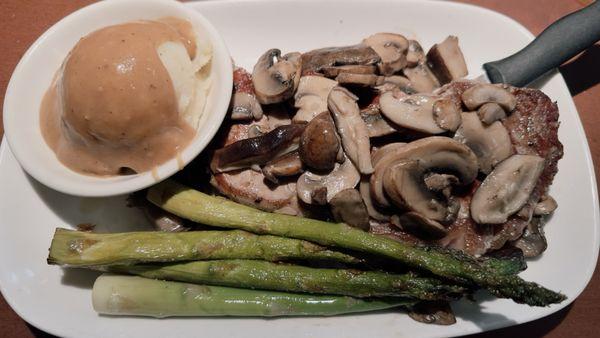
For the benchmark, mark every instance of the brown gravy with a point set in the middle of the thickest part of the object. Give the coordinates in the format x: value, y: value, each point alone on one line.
x: 112, y: 108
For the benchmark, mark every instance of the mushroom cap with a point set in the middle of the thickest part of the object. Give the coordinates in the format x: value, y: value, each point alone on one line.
x: 533, y: 242
x: 276, y: 77
x: 245, y: 106
x: 365, y: 193
x: 446, y: 60
x: 479, y: 94
x: 257, y: 150
x: 334, y: 71
x: 506, y: 189
x: 287, y: 165
x: 415, y: 54
x: 311, y: 97
x: 491, y: 143
x: 316, y: 60
x: 413, y: 112
x: 545, y: 206
x: 366, y: 80
x: 387, y: 83
x: 447, y: 114
x: 319, y: 143
x: 421, y: 78
x: 375, y: 122
x: 392, y: 49
x: 491, y: 112
x: 343, y: 176
x: 348, y: 207
x: 400, y: 174
x: 383, y: 151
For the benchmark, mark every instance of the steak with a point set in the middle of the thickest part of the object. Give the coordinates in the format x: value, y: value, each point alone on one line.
x: 533, y: 129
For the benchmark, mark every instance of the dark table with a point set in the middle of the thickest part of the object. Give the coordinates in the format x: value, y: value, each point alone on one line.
x: 22, y: 21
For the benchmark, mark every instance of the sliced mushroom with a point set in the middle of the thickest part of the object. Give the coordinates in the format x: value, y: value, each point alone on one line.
x: 319, y: 144
x: 276, y: 77
x: 160, y: 219
x: 532, y: 242
x: 545, y: 206
x: 446, y: 114
x: 506, y: 189
x: 380, y: 153
x: 421, y: 78
x: 244, y: 106
x: 433, y: 312
x: 490, y: 143
x: 284, y: 166
x: 367, y: 80
x: 482, y: 93
x: 490, y: 112
x: 415, y: 54
x: 351, y: 69
x: 382, y: 83
x: 413, y: 112
x: 400, y: 175
x: 348, y: 207
x: 311, y: 97
x: 317, y: 60
x: 377, y: 125
x: 257, y: 150
x: 423, y: 227
x: 392, y: 48
x: 372, y: 210
x: 446, y: 60
x: 309, y: 185
x: 387, y: 83
x: 351, y: 127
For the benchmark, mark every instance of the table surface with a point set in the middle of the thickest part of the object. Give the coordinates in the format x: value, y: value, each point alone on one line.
x: 22, y: 21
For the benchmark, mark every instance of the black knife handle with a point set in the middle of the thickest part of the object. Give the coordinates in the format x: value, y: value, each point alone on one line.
x: 558, y: 43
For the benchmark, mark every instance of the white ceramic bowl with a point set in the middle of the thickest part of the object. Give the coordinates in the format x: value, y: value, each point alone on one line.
x: 34, y: 73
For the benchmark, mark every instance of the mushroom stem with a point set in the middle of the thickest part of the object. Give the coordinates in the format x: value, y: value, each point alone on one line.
x: 351, y: 127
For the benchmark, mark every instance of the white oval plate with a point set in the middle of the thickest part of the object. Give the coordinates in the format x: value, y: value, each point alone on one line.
x: 59, y: 301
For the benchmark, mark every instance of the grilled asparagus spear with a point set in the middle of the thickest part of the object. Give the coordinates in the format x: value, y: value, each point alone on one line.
x: 255, y: 274
x: 453, y: 265
x: 77, y: 248
x: 129, y: 295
